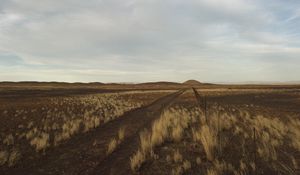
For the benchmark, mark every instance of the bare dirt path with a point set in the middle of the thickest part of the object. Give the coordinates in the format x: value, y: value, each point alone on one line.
x: 198, y: 97
x: 86, y: 153
x: 118, y: 162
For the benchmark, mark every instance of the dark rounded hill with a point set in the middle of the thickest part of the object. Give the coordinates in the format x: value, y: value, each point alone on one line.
x: 192, y: 82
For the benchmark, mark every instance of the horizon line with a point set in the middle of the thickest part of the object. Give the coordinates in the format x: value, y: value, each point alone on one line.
x: 213, y: 82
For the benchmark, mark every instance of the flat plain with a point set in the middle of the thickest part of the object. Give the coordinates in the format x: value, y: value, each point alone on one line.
x: 149, y: 128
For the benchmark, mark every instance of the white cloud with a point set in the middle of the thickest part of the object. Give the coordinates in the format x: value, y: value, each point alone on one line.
x: 126, y: 38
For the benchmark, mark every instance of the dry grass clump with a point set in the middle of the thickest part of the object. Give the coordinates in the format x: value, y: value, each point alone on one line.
x: 9, y: 140
x: 121, y: 134
x: 168, y: 159
x: 177, y: 157
x: 198, y: 160
x: 113, y: 144
x: 13, y: 157
x: 266, y: 149
x: 170, y: 126
x: 69, y: 128
x: 182, y: 165
x: 294, y: 133
x: 137, y: 160
x: 209, y: 141
x: 40, y: 142
x: 186, y: 165
x: 139, y: 157
x: 208, y: 138
x: 9, y: 158
x: 3, y: 157
x: 177, y: 171
x: 220, y: 168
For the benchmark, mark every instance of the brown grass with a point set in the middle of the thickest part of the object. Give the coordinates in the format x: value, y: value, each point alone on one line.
x: 63, y: 117
x: 113, y: 144
x: 276, y: 141
x: 137, y: 160
x: 3, y: 157
x: 170, y: 126
x: 208, y: 138
x: 177, y: 157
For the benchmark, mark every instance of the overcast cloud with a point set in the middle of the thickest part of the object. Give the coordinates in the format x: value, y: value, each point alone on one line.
x: 149, y: 40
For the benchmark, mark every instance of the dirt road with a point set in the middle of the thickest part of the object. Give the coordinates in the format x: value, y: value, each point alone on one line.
x: 119, y: 161
x: 86, y: 153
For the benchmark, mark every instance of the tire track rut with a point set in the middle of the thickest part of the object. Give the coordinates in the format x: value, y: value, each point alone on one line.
x: 118, y: 162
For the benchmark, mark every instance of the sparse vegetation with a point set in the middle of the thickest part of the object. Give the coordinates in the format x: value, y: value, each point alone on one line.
x: 113, y: 144
x: 137, y: 160
x: 207, y: 137
x: 231, y: 140
x: 170, y: 126
x: 177, y: 157
x: 54, y: 120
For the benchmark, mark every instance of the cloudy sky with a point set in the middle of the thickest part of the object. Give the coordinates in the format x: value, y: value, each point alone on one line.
x: 150, y: 40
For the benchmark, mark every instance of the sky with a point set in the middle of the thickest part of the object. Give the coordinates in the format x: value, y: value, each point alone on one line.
x: 149, y: 40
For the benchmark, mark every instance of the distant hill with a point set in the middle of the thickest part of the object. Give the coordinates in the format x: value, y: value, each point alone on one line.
x: 46, y: 82
x: 96, y: 83
x: 161, y: 83
x: 192, y: 82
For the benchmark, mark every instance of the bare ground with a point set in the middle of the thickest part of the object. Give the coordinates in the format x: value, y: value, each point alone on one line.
x: 86, y: 153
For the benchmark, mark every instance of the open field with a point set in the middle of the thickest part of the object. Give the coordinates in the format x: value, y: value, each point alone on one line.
x: 150, y: 128
x: 234, y: 135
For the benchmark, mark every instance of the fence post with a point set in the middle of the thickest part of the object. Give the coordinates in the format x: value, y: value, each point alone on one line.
x: 255, y: 147
x: 219, y: 134
x: 205, y: 108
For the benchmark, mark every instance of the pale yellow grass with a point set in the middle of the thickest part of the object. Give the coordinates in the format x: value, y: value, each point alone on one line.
x: 137, y: 160
x: 113, y: 144
x: 208, y: 138
x: 170, y: 126
x: 177, y: 157
x: 272, y: 134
